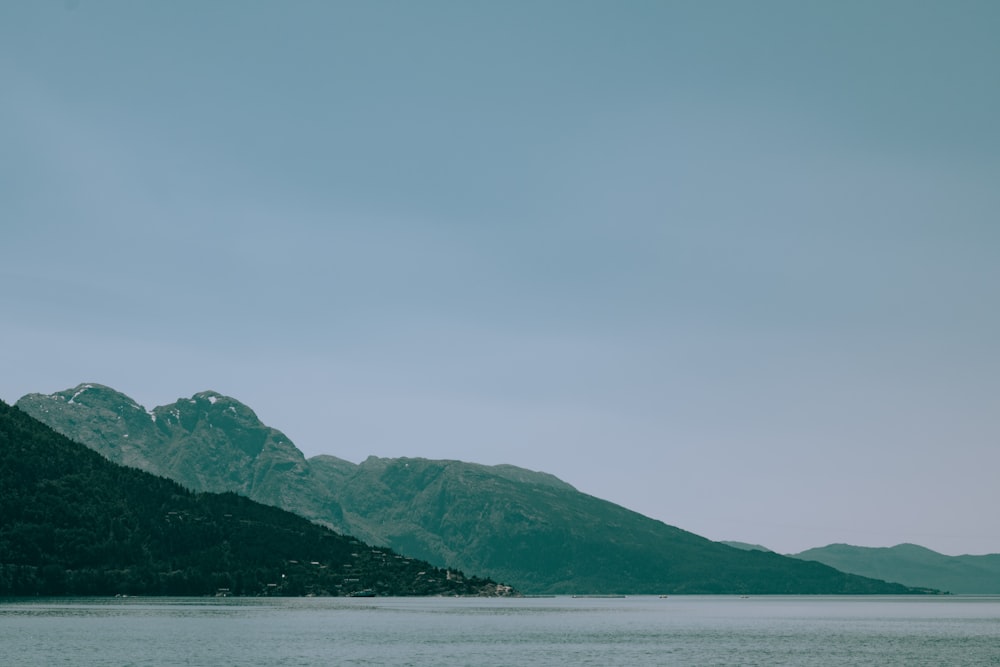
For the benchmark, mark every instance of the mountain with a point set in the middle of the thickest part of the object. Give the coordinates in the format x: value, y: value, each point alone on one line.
x: 914, y: 566
x: 74, y: 523
x: 543, y: 534
x: 519, y: 526
x: 208, y: 442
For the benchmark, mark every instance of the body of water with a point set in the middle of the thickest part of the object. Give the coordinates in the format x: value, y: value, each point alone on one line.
x: 632, y: 631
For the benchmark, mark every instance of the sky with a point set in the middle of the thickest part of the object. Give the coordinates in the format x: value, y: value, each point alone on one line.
x: 733, y: 265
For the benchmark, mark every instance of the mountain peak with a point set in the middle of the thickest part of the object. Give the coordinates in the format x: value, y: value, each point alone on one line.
x: 212, y: 402
x: 208, y: 442
x: 102, y: 418
x: 210, y: 396
x: 94, y: 394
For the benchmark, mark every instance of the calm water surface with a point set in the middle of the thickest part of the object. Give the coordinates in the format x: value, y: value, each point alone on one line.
x: 633, y: 631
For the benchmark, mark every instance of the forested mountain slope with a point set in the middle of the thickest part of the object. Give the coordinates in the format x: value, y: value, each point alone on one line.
x: 74, y: 523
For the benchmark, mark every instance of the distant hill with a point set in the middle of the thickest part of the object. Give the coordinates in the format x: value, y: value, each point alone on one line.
x: 914, y: 566
x: 526, y: 528
x: 73, y: 523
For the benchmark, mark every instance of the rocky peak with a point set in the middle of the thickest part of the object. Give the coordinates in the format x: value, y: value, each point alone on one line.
x: 208, y: 442
x: 221, y: 422
x: 93, y: 395
x: 101, y: 418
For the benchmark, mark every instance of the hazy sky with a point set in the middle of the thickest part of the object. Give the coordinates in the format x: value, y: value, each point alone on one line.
x: 734, y: 265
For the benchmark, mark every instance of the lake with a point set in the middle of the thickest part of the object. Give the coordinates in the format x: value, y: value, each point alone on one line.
x: 632, y: 631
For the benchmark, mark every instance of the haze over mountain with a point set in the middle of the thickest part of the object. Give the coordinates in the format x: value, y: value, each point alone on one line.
x: 908, y: 564
x: 744, y: 545
x: 914, y: 565
x: 528, y: 528
x: 74, y: 523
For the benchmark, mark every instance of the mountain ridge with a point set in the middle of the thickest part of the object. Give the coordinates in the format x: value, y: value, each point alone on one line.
x: 512, y: 524
x: 237, y: 451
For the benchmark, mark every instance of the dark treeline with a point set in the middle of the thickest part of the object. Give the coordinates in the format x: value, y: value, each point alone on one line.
x: 73, y: 523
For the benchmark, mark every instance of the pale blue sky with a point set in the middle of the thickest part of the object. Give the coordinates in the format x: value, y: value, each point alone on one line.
x: 734, y: 265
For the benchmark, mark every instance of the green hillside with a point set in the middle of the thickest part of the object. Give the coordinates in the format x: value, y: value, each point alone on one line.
x: 550, y: 538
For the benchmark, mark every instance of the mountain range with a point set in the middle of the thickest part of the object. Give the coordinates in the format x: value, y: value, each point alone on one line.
x: 74, y: 523
x: 522, y: 527
x: 914, y: 565
x: 909, y: 564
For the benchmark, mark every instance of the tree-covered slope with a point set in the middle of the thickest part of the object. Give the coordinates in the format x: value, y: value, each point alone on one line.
x: 526, y: 528
x: 72, y: 523
x: 914, y: 566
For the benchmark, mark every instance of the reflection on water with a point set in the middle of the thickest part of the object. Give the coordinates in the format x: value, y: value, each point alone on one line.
x: 632, y: 631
